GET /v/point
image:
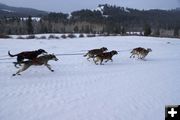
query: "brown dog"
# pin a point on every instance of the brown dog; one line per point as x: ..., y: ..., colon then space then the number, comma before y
x: 93, y: 52
x: 26, y: 55
x: 107, y: 55
x: 42, y: 60
x: 140, y: 52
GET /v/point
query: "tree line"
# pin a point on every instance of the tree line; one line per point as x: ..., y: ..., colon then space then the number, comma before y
x: 109, y: 20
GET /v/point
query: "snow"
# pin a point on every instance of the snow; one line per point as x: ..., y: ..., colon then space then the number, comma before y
x: 6, y: 10
x: 100, y: 9
x: 33, y: 18
x: 125, y: 89
x: 135, y: 33
x: 69, y: 15
x: 126, y: 10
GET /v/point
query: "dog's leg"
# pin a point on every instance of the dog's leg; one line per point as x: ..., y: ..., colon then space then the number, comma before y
x: 108, y: 60
x: 88, y: 58
x: 15, y: 64
x: 95, y: 60
x: 131, y: 55
x: 140, y: 56
x: 49, y: 67
x: 101, y: 60
x: 111, y: 60
x: 17, y: 73
x: 23, y: 68
x: 134, y: 55
x: 19, y: 60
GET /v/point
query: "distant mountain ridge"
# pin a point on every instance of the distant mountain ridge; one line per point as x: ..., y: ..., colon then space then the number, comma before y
x: 10, y: 11
x: 104, y: 19
x: 178, y: 8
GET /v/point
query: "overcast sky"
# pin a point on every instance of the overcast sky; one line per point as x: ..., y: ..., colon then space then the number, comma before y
x: 71, y: 5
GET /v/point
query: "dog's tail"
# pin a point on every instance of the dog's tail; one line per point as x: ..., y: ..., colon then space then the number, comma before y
x: 11, y: 54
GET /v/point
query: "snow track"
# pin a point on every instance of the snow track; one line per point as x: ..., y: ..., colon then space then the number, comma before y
x: 125, y: 89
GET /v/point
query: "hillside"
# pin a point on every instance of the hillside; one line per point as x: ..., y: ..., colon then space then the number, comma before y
x: 105, y: 19
x: 10, y: 11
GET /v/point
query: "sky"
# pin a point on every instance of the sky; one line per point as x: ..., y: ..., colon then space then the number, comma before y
x: 67, y: 6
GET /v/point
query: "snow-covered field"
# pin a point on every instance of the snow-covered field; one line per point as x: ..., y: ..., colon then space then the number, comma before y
x: 126, y: 89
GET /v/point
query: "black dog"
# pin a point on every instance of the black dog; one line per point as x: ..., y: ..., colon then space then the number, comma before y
x: 26, y: 55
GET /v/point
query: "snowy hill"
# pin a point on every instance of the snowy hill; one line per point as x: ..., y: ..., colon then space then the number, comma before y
x: 10, y: 11
x: 125, y: 89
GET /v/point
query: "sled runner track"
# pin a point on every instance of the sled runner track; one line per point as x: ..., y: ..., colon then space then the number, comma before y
x: 6, y: 58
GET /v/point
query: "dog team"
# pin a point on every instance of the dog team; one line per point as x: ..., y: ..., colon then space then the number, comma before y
x: 41, y: 57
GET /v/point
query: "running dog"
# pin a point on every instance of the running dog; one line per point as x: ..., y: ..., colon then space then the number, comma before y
x: 140, y: 52
x: 26, y: 55
x: 92, y: 53
x: 41, y: 60
x: 104, y: 56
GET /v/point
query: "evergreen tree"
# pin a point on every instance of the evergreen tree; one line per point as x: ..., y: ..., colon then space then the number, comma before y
x: 76, y: 29
x: 147, y: 30
x: 123, y: 31
x: 176, y: 31
x: 157, y: 32
x: 29, y: 26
